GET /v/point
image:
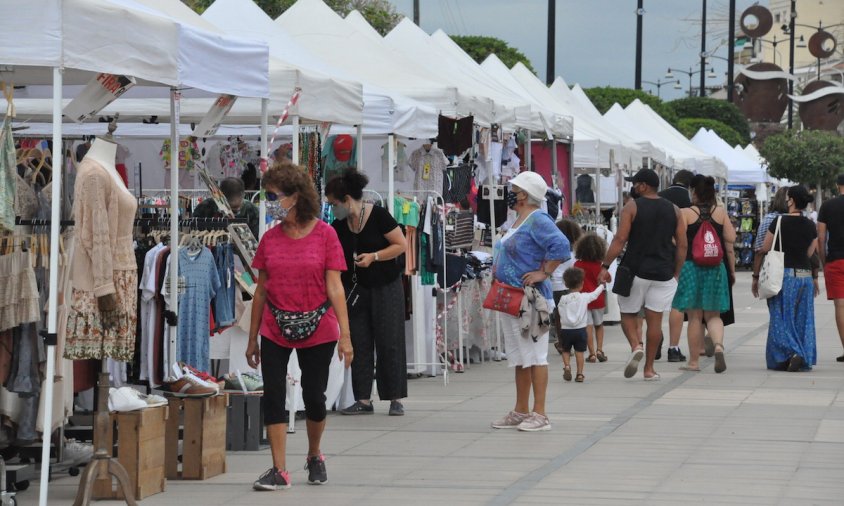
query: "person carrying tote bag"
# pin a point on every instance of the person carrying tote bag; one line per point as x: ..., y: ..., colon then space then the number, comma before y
x: 771, y: 274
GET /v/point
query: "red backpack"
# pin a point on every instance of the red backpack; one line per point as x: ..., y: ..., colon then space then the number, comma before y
x: 706, y: 246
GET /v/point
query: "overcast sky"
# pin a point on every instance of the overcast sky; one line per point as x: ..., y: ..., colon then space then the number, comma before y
x: 596, y: 39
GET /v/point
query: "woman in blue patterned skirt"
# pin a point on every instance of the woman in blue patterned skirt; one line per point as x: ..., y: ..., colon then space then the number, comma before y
x: 791, y: 333
x: 702, y: 291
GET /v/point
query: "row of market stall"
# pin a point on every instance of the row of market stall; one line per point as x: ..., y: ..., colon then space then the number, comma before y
x: 311, y: 67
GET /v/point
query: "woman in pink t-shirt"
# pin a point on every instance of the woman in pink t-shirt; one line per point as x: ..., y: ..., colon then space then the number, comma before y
x: 299, y: 263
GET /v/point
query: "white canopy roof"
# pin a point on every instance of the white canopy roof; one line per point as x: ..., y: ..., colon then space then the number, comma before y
x: 561, y: 126
x: 124, y: 37
x: 324, y: 97
x: 383, y: 111
x: 528, y: 114
x: 627, y: 149
x: 663, y: 134
x: 627, y: 136
x: 741, y: 169
x: 339, y: 43
x: 591, y: 150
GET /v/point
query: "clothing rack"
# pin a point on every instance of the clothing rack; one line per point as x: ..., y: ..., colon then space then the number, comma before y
x: 417, y: 288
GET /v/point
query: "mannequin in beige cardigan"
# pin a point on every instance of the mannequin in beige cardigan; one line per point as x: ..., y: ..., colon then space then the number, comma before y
x: 103, y: 277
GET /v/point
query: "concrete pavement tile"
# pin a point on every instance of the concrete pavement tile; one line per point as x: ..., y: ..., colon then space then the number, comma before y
x: 776, y: 411
x: 792, y: 397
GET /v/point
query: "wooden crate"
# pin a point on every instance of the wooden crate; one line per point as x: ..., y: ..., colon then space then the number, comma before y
x: 203, y: 437
x: 245, y: 425
x: 140, y: 450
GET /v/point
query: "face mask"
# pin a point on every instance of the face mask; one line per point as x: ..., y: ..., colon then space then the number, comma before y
x: 340, y: 211
x: 277, y: 211
x: 512, y: 199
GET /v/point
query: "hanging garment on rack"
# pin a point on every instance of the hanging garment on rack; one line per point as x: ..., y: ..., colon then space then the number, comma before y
x: 459, y: 229
x: 338, y: 154
x: 224, y: 299
x: 455, y: 135
x: 201, y: 282
x: 400, y: 169
x: 147, y: 314
x: 123, y: 154
x: 310, y: 158
x: 189, y: 154
x: 19, y: 299
x: 457, y: 183
x: 8, y: 172
x: 429, y: 164
x: 509, y: 159
x: 406, y: 211
x: 103, y: 264
x: 499, y: 205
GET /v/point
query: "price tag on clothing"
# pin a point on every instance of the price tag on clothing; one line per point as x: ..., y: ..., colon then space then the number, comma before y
x: 426, y: 171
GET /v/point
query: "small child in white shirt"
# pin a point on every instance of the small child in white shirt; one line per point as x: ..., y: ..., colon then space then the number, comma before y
x: 572, y: 309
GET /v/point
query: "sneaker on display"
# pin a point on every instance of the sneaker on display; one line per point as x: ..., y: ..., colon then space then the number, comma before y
x: 190, y: 386
x: 251, y: 381
x: 316, y: 469
x: 273, y: 479
x: 124, y: 399
x: 77, y: 452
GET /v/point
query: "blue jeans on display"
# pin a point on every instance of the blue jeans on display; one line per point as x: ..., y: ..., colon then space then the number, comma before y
x: 224, y: 300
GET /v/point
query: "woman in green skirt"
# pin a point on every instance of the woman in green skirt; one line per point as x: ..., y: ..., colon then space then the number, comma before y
x: 703, y: 292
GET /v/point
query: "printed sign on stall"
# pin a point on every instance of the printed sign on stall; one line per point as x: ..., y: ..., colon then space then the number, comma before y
x: 211, y: 122
x: 98, y: 93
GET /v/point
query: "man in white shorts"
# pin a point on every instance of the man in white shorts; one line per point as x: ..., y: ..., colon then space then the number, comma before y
x: 655, y: 236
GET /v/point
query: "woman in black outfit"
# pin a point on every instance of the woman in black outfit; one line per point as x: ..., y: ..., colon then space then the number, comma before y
x: 791, y: 333
x: 371, y: 240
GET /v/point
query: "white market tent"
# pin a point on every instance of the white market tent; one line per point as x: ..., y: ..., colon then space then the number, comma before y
x: 680, y: 148
x: 338, y: 43
x: 529, y: 115
x: 741, y: 169
x: 627, y: 136
x: 627, y: 149
x: 383, y: 111
x: 76, y: 40
x: 497, y: 70
x: 590, y: 148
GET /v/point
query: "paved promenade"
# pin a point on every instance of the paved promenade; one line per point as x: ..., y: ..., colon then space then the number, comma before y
x: 748, y: 436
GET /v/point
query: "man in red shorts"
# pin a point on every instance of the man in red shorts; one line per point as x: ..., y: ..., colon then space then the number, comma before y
x: 831, y: 221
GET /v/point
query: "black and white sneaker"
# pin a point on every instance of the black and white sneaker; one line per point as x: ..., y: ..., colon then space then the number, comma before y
x: 316, y: 470
x: 273, y: 479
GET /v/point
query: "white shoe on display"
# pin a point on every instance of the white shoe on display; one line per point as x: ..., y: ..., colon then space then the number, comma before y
x: 124, y: 399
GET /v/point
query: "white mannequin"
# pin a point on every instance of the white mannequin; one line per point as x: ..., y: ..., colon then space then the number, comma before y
x: 104, y: 152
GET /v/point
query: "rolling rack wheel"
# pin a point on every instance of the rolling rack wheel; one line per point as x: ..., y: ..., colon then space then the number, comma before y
x: 73, y: 471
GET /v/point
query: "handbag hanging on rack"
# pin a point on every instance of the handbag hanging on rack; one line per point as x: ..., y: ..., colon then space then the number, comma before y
x: 773, y: 267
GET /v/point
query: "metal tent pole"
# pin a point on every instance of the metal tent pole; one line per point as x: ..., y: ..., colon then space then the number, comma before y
x: 294, y: 156
x: 265, y: 157
x: 52, y: 301
x: 175, y: 110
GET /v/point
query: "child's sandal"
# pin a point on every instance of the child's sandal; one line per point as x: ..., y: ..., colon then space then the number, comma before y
x: 601, y: 356
x: 579, y: 378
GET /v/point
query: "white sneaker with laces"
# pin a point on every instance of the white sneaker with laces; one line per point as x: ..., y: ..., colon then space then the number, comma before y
x: 124, y: 399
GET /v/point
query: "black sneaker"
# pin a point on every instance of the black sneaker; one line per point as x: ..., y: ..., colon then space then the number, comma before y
x: 359, y: 408
x: 396, y: 408
x: 675, y: 355
x: 273, y: 479
x: 316, y: 470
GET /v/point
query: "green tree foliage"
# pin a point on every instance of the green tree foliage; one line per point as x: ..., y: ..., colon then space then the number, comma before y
x: 604, y: 98
x: 690, y: 126
x: 479, y: 47
x: 807, y: 157
x: 709, y: 108
x: 379, y: 13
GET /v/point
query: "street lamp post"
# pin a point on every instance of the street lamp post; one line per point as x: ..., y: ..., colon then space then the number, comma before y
x: 659, y: 84
x: 690, y: 73
x: 703, y: 50
x: 640, y: 11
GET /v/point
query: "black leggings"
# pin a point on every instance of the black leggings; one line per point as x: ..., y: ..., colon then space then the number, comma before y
x: 314, y: 362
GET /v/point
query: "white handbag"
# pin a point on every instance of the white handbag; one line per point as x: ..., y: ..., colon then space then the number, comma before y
x: 773, y: 267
